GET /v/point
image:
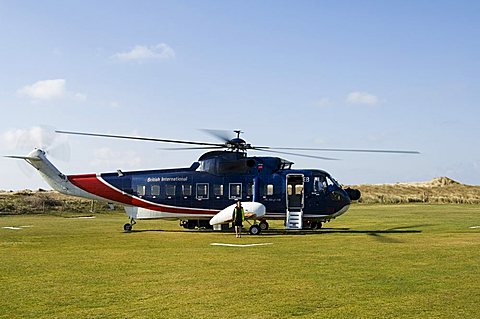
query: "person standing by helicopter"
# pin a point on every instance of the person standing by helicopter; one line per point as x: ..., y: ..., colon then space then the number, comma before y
x: 238, y: 217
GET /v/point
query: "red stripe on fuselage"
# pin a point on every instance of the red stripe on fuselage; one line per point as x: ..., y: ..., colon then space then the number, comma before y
x: 91, y: 184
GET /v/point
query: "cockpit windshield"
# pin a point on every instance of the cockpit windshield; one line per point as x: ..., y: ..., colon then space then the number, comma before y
x: 332, y: 181
x: 323, y: 182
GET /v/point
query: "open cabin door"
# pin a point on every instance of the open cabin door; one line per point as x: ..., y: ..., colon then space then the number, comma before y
x: 295, y: 196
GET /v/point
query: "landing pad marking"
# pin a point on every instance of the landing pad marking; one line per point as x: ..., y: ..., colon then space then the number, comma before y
x: 240, y: 245
x: 17, y: 227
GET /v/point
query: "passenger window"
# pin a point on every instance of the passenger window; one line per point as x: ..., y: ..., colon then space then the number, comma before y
x: 155, y: 189
x: 187, y: 190
x: 235, y: 191
x: 269, y: 190
x: 141, y: 190
x: 202, y: 191
x: 249, y: 189
x: 298, y: 189
x: 218, y: 190
x: 170, y: 190
x: 289, y: 189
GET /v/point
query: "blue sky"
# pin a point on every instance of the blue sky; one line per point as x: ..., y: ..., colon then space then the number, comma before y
x: 341, y: 74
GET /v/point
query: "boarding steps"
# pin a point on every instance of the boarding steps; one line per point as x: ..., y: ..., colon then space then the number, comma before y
x: 294, y: 219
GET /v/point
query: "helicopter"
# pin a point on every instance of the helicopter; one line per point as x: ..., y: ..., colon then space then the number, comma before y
x: 204, y: 194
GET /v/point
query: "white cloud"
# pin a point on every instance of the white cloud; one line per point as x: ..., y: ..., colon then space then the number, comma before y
x: 143, y: 53
x: 46, y: 90
x: 114, y: 104
x: 319, y: 141
x: 80, y: 96
x: 27, y: 139
x: 323, y: 102
x: 377, y: 138
x: 364, y: 98
x: 107, y: 158
x: 57, y: 52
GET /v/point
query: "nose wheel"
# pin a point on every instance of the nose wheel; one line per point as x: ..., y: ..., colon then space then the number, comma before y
x: 263, y: 225
x: 255, y: 230
x: 316, y: 225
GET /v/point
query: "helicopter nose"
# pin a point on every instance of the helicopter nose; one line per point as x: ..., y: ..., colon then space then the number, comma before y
x: 342, y: 202
x: 340, y: 196
x: 346, y: 198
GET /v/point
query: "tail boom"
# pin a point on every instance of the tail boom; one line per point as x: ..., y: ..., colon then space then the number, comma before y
x: 53, y: 176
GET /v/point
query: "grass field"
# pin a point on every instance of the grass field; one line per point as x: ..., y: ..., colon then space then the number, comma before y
x: 395, y: 261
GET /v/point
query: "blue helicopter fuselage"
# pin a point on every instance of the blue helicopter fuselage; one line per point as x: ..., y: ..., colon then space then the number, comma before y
x: 220, y: 178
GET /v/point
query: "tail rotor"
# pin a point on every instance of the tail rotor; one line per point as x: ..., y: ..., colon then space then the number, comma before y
x: 39, y: 137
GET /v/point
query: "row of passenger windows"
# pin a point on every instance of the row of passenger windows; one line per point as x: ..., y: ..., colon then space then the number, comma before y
x: 202, y: 190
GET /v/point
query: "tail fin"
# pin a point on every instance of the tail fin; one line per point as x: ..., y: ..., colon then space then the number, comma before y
x: 47, y: 170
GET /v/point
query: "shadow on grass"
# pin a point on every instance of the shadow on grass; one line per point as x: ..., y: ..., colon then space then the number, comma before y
x: 379, y: 234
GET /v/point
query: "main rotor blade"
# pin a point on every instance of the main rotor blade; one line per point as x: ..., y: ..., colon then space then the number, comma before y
x: 190, y: 148
x: 222, y: 135
x: 295, y: 154
x: 151, y: 139
x: 338, y: 150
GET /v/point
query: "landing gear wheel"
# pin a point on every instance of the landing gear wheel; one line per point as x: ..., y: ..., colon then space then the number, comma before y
x: 316, y: 225
x: 127, y: 227
x: 263, y: 225
x: 255, y: 230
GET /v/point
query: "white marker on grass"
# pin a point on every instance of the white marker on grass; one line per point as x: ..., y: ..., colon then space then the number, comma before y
x: 16, y: 228
x: 240, y: 245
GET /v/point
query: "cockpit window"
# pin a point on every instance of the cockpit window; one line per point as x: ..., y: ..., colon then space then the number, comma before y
x: 319, y: 183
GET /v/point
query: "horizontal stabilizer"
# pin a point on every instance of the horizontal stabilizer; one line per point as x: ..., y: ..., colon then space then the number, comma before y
x: 252, y: 210
x: 24, y: 157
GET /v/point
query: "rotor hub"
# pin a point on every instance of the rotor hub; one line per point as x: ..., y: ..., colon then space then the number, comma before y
x: 238, y: 144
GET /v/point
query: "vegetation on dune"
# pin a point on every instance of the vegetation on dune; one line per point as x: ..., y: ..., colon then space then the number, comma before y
x: 47, y: 202
x: 437, y: 191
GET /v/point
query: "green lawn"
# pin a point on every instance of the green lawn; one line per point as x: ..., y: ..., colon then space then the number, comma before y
x: 393, y: 261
